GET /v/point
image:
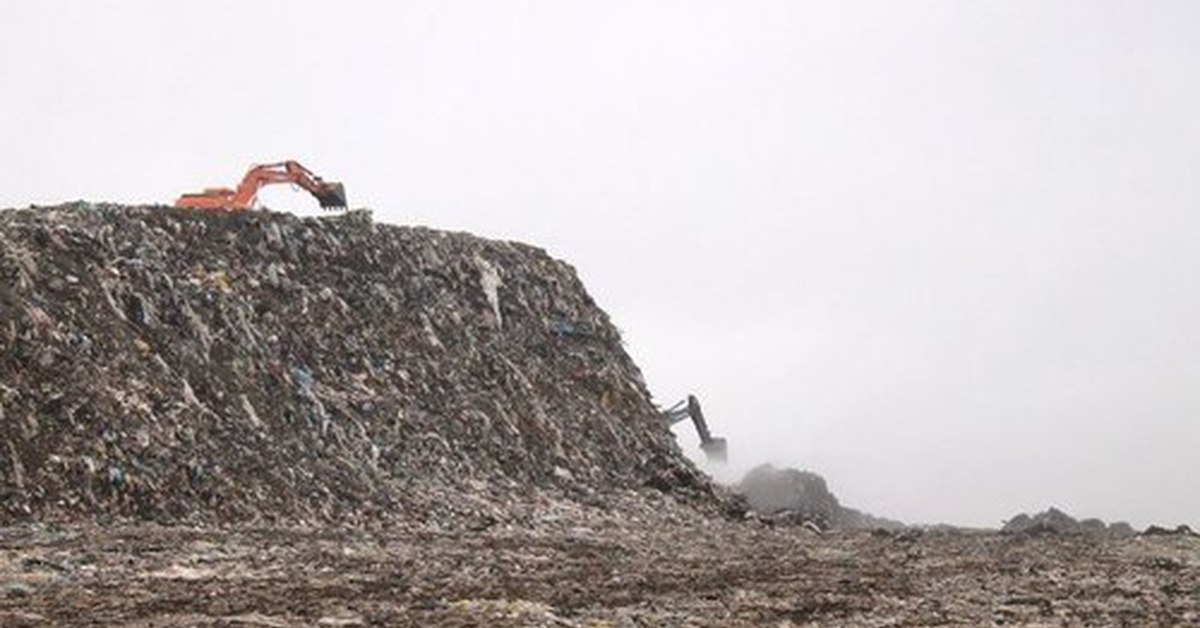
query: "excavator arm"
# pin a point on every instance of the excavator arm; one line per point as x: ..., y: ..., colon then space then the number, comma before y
x: 714, y: 448
x: 330, y: 195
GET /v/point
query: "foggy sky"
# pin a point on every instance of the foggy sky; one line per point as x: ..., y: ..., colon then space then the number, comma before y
x: 942, y: 253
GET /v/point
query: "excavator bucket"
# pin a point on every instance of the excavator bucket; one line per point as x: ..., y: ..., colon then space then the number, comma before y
x: 716, y: 449
x: 332, y: 196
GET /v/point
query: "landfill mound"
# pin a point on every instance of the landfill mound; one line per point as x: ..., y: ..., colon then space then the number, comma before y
x: 173, y: 365
x: 802, y: 497
x: 1055, y: 521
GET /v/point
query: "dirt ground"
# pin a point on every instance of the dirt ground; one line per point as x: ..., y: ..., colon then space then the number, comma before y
x: 657, y: 566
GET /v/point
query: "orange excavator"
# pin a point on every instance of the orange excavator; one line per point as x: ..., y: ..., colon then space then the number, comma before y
x: 329, y: 194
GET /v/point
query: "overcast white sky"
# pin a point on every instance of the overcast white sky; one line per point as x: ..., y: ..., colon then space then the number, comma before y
x: 942, y: 253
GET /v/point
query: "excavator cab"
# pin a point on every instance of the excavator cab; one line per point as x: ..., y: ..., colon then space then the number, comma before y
x: 715, y: 448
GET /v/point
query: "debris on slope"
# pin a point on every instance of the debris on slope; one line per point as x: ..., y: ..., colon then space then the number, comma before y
x: 802, y: 496
x: 171, y: 365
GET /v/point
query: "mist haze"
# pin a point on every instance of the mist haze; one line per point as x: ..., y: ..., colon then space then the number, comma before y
x: 941, y: 253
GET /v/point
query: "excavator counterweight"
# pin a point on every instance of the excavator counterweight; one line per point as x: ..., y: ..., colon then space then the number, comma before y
x: 330, y: 195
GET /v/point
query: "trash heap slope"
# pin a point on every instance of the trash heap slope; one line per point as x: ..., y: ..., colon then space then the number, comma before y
x: 170, y: 365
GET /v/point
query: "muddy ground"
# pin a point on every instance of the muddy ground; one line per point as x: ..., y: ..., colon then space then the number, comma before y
x: 633, y: 565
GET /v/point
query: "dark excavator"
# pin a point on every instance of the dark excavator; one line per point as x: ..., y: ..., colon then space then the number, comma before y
x: 714, y: 447
x: 329, y: 194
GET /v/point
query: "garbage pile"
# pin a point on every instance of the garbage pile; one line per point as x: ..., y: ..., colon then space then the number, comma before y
x: 172, y: 365
x: 1055, y: 521
x: 802, y: 497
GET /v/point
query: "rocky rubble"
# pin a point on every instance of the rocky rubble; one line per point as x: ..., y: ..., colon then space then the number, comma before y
x: 171, y: 365
x: 1055, y: 521
x: 802, y: 497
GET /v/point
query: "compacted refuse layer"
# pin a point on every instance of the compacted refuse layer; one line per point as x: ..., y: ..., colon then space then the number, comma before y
x: 643, y: 560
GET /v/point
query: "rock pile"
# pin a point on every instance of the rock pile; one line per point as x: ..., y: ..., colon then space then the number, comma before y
x: 171, y: 365
x: 802, y: 496
x: 1055, y: 521
x: 1180, y: 530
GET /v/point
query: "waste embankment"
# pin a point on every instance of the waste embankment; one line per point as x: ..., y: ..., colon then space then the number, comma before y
x: 170, y: 365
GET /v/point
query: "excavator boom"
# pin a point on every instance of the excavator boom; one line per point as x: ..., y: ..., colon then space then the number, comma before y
x: 330, y: 195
